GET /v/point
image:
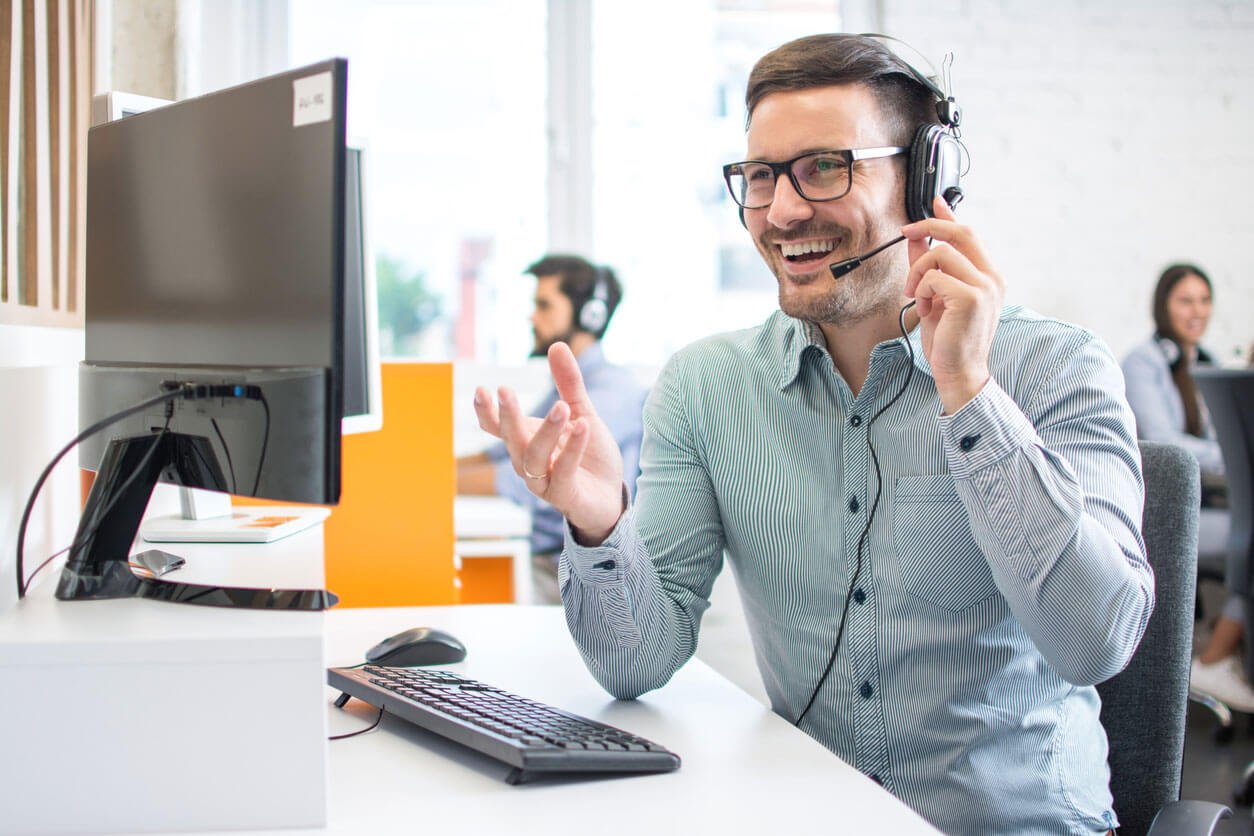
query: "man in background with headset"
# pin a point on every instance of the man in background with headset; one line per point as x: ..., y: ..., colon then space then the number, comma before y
x: 936, y: 536
x: 574, y: 302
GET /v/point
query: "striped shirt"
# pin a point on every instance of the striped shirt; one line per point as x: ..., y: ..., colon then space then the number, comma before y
x: 1003, y: 574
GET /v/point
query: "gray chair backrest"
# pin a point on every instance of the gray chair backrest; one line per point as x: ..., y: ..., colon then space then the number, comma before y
x: 1229, y: 396
x: 1143, y: 707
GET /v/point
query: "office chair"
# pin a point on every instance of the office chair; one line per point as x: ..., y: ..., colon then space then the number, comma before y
x: 1229, y: 397
x: 1143, y: 707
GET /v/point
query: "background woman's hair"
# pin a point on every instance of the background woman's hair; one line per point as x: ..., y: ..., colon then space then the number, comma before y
x: 1180, y: 366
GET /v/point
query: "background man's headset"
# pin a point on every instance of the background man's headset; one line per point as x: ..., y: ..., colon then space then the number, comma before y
x: 594, y: 313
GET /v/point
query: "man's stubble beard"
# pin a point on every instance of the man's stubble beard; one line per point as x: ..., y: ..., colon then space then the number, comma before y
x: 866, y: 292
x: 541, y: 348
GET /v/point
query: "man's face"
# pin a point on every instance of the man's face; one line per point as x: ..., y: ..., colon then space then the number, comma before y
x: 553, y: 319
x: 800, y: 239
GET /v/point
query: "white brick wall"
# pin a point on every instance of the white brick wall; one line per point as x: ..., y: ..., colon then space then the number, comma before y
x: 1107, y: 139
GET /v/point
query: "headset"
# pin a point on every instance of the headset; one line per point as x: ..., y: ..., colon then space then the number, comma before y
x: 935, y: 164
x: 1170, y: 349
x: 594, y: 313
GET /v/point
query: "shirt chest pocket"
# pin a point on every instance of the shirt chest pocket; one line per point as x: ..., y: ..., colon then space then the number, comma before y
x: 939, y: 559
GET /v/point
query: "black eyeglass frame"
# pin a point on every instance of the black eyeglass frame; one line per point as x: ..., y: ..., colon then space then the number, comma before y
x: 850, y: 155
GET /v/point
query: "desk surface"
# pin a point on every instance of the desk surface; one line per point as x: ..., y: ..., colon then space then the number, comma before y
x: 492, y: 517
x: 745, y: 769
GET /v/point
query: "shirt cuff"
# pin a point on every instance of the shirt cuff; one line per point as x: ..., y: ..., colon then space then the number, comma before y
x: 984, y: 431
x: 606, y: 563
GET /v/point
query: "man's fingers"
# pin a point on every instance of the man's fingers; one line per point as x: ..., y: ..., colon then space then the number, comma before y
x: 947, y: 259
x: 567, y: 462
x: 942, y: 209
x: 945, y: 227
x: 513, y: 432
x: 486, y: 412
x: 539, y: 450
x: 568, y: 378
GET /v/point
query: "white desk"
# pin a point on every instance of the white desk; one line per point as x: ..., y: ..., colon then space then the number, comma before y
x: 492, y: 526
x: 133, y: 715
x: 745, y: 769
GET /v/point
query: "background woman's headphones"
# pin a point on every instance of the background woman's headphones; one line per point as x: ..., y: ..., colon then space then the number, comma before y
x: 1170, y: 349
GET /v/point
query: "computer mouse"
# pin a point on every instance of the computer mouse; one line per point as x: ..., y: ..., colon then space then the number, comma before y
x: 417, y: 646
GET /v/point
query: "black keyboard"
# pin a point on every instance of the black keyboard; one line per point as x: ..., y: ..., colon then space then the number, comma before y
x: 528, y: 735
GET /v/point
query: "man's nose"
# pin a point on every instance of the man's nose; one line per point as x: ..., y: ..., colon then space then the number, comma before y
x: 788, y: 206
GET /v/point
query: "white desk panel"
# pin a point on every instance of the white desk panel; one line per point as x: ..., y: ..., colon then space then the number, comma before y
x: 131, y: 715
x: 745, y: 769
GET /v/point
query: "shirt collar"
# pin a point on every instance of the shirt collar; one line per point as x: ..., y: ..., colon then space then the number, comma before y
x: 800, y: 337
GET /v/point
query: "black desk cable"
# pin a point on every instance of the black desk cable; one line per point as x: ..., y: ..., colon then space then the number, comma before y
x: 176, y: 391
x: 875, y: 504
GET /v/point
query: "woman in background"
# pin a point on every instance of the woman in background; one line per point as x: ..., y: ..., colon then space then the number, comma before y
x: 1168, y: 408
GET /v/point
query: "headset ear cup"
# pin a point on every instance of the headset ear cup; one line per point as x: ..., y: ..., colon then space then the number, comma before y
x: 593, y: 316
x: 920, y: 184
x: 594, y: 313
x: 1170, y: 350
x: 934, y: 168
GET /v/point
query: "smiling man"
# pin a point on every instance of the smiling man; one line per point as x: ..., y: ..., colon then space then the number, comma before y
x: 932, y: 513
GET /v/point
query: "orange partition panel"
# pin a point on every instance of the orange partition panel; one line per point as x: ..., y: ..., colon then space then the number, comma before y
x: 487, y: 580
x: 389, y: 543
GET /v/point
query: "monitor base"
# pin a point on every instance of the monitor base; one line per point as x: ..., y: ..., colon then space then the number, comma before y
x: 246, y: 524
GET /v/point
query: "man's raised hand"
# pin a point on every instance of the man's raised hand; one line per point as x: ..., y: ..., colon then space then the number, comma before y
x: 567, y: 458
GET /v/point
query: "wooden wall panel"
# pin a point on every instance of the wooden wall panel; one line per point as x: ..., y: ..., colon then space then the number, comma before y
x: 45, y: 94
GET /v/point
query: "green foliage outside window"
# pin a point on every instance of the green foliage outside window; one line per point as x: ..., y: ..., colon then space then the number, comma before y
x: 406, y: 306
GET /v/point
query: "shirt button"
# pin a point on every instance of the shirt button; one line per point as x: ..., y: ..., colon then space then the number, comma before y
x: 968, y: 442
x: 866, y: 690
x: 853, y: 505
x: 604, y: 564
x: 859, y: 596
x: 877, y: 779
x: 855, y: 420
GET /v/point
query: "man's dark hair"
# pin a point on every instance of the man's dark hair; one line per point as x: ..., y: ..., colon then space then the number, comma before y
x: 837, y: 59
x: 578, y: 280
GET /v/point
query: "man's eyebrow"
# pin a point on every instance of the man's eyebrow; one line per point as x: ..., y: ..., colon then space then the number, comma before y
x: 820, y: 149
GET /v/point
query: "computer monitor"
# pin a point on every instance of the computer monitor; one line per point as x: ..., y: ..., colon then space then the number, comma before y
x: 363, y: 386
x: 215, y: 291
x: 209, y: 516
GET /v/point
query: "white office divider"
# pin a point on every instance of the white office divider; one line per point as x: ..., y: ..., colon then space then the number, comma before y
x: 137, y: 716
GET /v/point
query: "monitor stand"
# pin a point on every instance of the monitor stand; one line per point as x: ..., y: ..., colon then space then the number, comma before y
x: 99, y: 565
x: 209, y: 517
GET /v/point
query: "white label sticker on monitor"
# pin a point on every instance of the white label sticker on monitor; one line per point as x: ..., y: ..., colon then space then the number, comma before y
x: 311, y: 99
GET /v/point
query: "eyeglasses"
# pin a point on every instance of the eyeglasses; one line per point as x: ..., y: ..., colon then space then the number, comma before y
x: 817, y: 176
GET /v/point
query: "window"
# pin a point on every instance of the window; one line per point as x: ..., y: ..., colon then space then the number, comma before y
x: 668, y: 82
x: 463, y: 109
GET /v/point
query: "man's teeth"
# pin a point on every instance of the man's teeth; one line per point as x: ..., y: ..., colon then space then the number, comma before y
x: 800, y: 248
